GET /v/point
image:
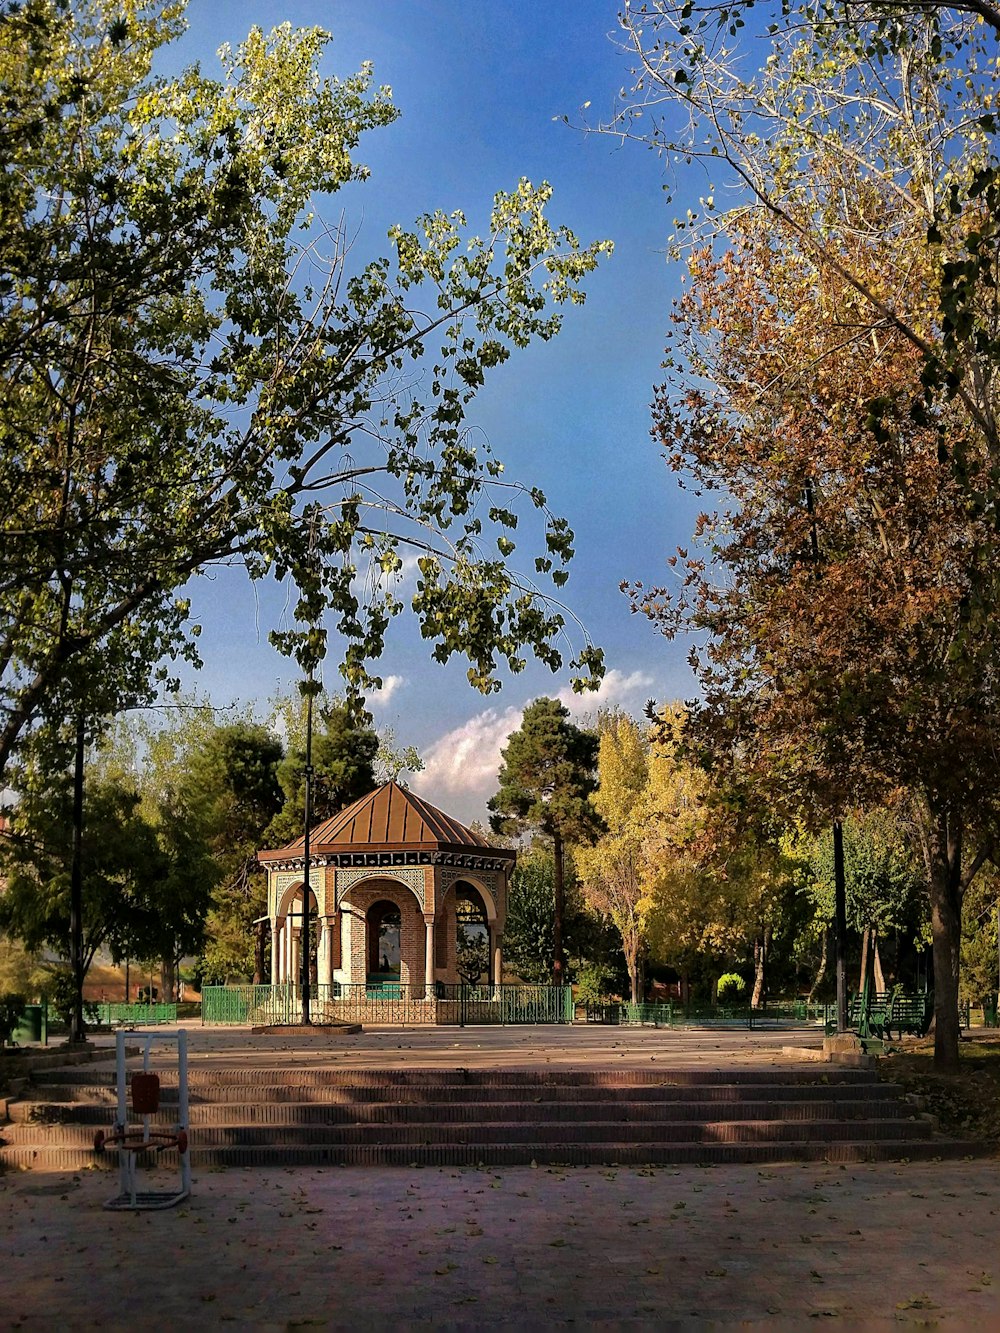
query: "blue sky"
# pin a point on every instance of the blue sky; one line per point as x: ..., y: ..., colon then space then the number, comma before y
x: 480, y: 88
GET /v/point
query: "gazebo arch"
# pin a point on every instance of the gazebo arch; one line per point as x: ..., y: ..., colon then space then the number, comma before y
x: 391, y: 843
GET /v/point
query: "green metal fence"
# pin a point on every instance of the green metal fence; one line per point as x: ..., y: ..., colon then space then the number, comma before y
x: 107, y: 1014
x: 268, y: 1006
x: 677, y: 1014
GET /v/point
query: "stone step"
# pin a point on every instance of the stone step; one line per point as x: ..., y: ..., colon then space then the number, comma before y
x: 429, y: 1132
x: 609, y: 1154
x: 472, y: 1078
x: 372, y: 1112
x: 322, y: 1116
x: 291, y: 1090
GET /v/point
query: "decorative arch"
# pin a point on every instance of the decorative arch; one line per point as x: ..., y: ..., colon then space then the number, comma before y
x: 407, y: 877
x: 291, y: 893
x: 483, y: 888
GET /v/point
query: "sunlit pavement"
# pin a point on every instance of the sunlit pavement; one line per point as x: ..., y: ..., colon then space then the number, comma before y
x: 515, y: 1248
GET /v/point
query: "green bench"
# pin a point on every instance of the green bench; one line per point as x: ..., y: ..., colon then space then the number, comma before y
x: 911, y: 1014
x: 888, y: 1011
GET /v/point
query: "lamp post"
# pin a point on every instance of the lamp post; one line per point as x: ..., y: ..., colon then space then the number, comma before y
x: 76, y: 1029
x: 304, y: 951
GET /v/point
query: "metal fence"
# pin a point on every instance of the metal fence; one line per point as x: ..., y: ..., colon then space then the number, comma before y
x: 387, y: 1003
x: 107, y: 1014
x: 674, y: 1013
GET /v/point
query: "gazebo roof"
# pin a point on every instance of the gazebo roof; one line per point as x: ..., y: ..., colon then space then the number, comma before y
x: 389, y: 819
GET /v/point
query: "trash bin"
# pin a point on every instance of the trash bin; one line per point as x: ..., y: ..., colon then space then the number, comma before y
x: 990, y: 1011
x: 33, y: 1025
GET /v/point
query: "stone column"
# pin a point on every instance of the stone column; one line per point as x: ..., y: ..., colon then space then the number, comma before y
x: 293, y: 962
x: 277, y: 941
x: 429, y: 956
x: 497, y: 959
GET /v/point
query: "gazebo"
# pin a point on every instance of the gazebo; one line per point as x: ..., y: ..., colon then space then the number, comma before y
x: 392, y: 879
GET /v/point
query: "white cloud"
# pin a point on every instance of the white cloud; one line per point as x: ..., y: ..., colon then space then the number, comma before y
x: 617, y: 688
x: 390, y: 685
x: 460, y: 769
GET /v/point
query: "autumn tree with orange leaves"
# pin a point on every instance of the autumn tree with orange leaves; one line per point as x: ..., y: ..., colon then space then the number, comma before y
x: 845, y: 578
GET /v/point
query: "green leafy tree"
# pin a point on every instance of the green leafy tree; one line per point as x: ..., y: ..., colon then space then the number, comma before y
x: 124, y: 871
x: 182, y: 382
x: 885, y: 886
x: 546, y: 781
x: 343, y: 757
x: 237, y: 766
x: 527, y: 940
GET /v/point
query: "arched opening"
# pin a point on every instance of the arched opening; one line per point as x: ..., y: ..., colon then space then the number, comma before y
x: 472, y: 935
x: 290, y: 942
x: 384, y: 927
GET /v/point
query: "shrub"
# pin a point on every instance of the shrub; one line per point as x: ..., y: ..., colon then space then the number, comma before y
x: 593, y: 983
x: 731, y: 988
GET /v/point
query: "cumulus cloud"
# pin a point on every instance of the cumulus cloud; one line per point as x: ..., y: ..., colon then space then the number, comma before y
x: 616, y: 689
x: 460, y: 769
x: 390, y: 685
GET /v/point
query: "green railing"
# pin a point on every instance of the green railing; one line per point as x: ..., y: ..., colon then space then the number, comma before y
x: 136, y: 1013
x: 270, y: 1006
x: 674, y: 1013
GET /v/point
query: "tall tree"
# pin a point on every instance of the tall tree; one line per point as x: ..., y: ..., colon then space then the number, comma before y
x: 612, y: 869
x: 185, y: 380
x: 343, y: 757
x: 236, y: 765
x: 547, y: 778
x: 124, y: 870
x: 853, y: 636
x: 864, y: 146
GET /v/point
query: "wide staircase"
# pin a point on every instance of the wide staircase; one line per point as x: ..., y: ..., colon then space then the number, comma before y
x: 423, y: 1117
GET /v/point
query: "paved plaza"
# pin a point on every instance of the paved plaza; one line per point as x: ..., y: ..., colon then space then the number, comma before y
x: 516, y: 1248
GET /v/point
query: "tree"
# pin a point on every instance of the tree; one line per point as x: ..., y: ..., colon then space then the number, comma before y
x: 546, y: 780
x: 860, y: 283
x: 343, y: 757
x: 185, y: 379
x: 237, y: 766
x: 612, y: 869
x: 124, y: 870
x: 885, y: 890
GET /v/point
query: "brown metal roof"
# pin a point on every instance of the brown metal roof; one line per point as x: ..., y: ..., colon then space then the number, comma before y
x: 389, y: 819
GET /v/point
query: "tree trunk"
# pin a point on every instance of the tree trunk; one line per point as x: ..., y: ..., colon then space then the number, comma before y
x: 941, y: 833
x: 760, y: 965
x: 166, y: 980
x: 821, y: 970
x: 865, y: 937
x: 558, y: 961
x: 877, y: 967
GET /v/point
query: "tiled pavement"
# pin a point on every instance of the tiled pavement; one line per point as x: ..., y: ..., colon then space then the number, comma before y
x: 859, y: 1246
x: 864, y: 1246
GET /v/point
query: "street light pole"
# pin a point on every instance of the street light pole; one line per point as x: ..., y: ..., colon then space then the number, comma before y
x: 76, y: 1028
x: 304, y: 951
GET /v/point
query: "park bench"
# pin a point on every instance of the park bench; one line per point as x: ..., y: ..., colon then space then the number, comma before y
x: 910, y: 1014
x: 889, y: 1011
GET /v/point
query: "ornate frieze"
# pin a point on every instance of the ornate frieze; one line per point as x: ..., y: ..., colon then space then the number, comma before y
x: 412, y: 877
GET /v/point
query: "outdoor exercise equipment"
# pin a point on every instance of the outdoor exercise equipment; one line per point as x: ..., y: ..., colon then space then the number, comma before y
x: 131, y: 1141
